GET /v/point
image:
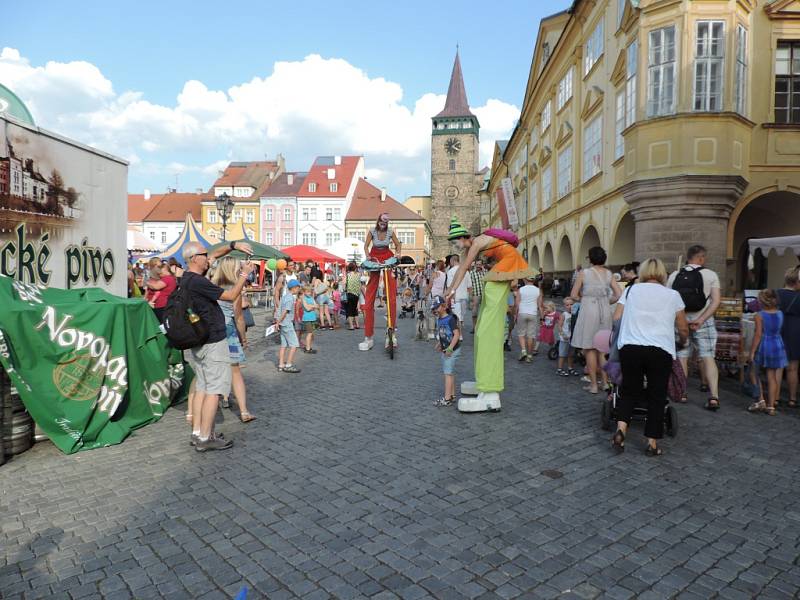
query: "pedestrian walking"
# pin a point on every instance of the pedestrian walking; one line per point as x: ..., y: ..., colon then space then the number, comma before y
x: 531, y: 305
x: 767, y: 350
x: 565, y: 350
x: 789, y: 303
x: 310, y: 315
x: 285, y: 321
x: 448, y: 329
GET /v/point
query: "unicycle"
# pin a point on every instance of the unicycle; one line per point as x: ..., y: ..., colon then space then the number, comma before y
x: 385, y: 267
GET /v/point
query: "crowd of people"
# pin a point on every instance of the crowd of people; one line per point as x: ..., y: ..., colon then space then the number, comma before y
x: 647, y: 321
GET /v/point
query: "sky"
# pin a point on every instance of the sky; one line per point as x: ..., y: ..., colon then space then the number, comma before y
x: 181, y: 88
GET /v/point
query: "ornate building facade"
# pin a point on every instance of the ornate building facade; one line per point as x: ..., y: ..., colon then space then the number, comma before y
x: 651, y: 125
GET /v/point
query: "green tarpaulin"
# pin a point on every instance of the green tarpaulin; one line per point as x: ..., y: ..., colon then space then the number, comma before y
x: 90, y: 367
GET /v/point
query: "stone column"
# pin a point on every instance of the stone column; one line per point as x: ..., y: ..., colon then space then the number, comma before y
x: 672, y: 213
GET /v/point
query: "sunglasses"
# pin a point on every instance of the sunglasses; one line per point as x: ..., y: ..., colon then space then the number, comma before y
x: 201, y: 254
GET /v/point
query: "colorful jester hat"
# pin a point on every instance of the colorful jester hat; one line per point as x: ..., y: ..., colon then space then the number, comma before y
x: 457, y: 230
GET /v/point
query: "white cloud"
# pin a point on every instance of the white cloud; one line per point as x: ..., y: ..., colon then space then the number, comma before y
x: 303, y: 108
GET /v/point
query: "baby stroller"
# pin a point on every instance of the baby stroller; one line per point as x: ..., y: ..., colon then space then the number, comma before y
x: 421, y: 329
x: 608, y: 408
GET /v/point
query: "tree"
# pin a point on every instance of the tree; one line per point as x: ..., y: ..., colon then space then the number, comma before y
x: 71, y: 198
x: 55, y: 192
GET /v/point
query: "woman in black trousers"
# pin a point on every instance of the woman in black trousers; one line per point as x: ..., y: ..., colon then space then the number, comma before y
x: 650, y: 313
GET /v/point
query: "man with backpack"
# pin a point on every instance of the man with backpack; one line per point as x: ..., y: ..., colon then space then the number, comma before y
x: 195, y: 304
x: 699, y: 289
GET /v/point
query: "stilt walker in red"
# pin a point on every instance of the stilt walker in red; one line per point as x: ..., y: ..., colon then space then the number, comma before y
x: 377, y: 248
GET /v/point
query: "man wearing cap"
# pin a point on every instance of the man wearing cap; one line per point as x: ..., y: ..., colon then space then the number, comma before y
x: 499, y: 246
x: 284, y: 317
x: 379, y: 238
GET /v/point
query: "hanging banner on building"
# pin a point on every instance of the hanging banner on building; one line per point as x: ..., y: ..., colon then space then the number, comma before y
x: 90, y: 367
x: 62, y: 211
x: 510, y: 204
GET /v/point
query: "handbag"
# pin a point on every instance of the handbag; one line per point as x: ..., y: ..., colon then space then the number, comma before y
x: 676, y: 384
x: 613, y: 352
x: 249, y: 321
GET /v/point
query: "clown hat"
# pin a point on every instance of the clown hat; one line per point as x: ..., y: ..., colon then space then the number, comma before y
x: 457, y: 230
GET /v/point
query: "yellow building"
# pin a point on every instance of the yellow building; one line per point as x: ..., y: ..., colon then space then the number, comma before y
x: 648, y: 126
x: 412, y: 229
x: 420, y: 205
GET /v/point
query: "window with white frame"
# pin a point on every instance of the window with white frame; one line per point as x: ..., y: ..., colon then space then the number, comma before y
x: 337, y: 214
x: 359, y: 234
x: 547, y: 187
x: 740, y: 76
x: 328, y: 239
x: 287, y: 214
x: 310, y: 239
x: 546, y: 117
x: 312, y: 187
x: 532, y: 197
x: 237, y: 215
x: 564, y: 92
x: 787, y: 82
x: 594, y: 48
x: 329, y: 214
x: 268, y: 238
x: 407, y: 238
x: 334, y: 187
x: 313, y: 213
x: 619, y: 125
x: 592, y: 148
x: 287, y: 238
x: 564, y: 171
x: 268, y: 215
x: 163, y: 237
x: 708, y: 65
x: 212, y: 215
x: 661, y: 72
x: 534, y: 137
x: 305, y: 214
x: 632, y: 68
x: 153, y: 235
x: 250, y: 216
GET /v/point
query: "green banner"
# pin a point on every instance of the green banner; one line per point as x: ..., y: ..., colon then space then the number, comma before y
x: 90, y: 367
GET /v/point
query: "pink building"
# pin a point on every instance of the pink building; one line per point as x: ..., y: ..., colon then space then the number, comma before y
x: 279, y: 210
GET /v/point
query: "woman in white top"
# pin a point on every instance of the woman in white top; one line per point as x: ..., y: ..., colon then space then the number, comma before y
x: 530, y: 307
x: 650, y: 313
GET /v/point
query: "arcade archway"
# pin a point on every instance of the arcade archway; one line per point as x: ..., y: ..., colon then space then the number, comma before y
x: 547, y: 259
x: 534, y: 260
x: 771, y: 215
x: 623, y: 244
x: 590, y: 239
x: 565, y: 260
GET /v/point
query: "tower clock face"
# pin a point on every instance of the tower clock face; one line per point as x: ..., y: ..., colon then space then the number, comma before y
x: 453, y: 146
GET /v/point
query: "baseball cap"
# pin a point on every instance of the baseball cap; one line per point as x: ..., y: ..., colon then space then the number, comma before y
x: 437, y: 302
x: 293, y: 284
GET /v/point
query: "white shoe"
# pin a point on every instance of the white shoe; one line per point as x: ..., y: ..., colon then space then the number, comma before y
x: 367, y: 344
x: 431, y: 336
x: 483, y: 402
x: 469, y: 388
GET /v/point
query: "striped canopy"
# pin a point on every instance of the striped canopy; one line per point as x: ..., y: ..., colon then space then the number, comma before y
x: 191, y: 233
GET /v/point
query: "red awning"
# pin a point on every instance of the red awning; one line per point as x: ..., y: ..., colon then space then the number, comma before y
x: 303, y: 253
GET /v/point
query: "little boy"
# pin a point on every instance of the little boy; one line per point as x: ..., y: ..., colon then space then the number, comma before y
x: 309, y: 318
x: 285, y: 319
x: 565, y: 351
x: 449, y: 344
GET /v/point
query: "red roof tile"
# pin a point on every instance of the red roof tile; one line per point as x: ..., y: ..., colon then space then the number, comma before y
x: 255, y: 174
x: 343, y: 177
x: 281, y: 188
x: 139, y: 208
x: 367, y: 205
x: 175, y: 205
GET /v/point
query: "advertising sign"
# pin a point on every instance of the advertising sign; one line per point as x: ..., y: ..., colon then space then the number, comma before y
x: 63, y: 211
x: 510, y: 203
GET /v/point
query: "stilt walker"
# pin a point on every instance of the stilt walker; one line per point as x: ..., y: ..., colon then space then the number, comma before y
x: 500, y: 247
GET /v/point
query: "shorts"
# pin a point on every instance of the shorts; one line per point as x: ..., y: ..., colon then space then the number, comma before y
x: 211, y: 364
x: 528, y: 326
x: 703, y: 341
x: 460, y: 309
x: 449, y: 362
x: 234, y: 344
x: 289, y: 337
x: 309, y: 326
x: 564, y: 349
x: 322, y: 299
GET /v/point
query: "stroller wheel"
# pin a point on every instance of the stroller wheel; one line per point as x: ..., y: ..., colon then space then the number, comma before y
x: 552, y: 354
x: 671, y: 421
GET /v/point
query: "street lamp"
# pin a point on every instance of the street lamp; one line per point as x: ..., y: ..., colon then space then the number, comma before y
x: 224, y: 208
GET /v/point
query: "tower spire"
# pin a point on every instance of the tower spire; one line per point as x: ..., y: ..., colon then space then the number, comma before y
x: 456, y: 104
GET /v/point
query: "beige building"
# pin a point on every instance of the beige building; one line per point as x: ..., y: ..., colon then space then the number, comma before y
x: 420, y: 205
x: 648, y: 126
x: 412, y: 230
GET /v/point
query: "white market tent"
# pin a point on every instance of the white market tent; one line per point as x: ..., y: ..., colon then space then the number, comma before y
x: 138, y: 242
x: 779, y: 244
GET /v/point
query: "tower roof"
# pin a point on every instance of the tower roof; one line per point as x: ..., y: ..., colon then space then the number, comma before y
x: 456, y: 104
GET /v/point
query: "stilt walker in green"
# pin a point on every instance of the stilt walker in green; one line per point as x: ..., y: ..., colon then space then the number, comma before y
x: 500, y: 247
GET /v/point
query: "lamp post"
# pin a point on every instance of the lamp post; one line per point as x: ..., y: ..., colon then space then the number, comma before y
x: 224, y: 208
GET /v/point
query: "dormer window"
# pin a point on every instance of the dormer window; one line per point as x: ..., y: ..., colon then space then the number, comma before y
x: 312, y: 187
x: 334, y: 187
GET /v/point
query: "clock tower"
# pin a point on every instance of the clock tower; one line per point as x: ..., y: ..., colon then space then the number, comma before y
x: 455, y: 181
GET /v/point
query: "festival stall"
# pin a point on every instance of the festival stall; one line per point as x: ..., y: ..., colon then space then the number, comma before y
x: 190, y: 233
x: 303, y: 253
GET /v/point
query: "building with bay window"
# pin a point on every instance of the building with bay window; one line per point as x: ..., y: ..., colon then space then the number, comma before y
x: 645, y: 129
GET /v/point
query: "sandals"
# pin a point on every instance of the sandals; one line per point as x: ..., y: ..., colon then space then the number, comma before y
x: 757, y: 407
x: 189, y: 418
x: 712, y: 404
x: 770, y: 411
x: 588, y: 388
x: 618, y: 441
x: 792, y: 404
x: 246, y: 417
x: 683, y: 399
x: 653, y: 451
x: 444, y: 401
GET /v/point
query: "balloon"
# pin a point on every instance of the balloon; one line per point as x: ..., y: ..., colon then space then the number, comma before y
x: 602, y: 341
x: 280, y: 264
x: 271, y: 264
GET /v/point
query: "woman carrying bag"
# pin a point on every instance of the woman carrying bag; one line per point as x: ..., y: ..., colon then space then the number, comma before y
x: 650, y: 313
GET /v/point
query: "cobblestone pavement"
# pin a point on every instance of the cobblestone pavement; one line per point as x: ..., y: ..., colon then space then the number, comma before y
x: 351, y: 484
